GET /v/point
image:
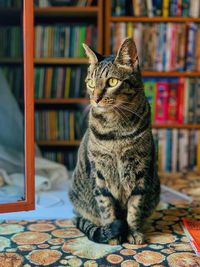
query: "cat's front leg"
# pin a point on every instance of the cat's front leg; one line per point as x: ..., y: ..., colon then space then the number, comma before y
x: 135, y: 235
x: 106, y: 205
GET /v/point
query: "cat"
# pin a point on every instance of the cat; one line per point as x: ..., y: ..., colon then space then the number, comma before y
x: 115, y: 185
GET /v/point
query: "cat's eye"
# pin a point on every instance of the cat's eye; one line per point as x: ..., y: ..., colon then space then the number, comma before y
x: 113, y: 82
x: 91, y: 83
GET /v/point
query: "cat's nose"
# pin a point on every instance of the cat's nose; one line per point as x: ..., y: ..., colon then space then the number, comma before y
x: 97, y: 98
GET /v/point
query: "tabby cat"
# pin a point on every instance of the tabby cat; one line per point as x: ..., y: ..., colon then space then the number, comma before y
x: 115, y: 185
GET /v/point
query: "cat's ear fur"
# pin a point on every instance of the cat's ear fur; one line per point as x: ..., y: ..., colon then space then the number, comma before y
x: 93, y: 56
x: 127, y: 56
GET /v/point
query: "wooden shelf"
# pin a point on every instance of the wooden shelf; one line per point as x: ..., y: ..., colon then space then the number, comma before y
x: 61, y: 101
x: 171, y: 73
x: 69, y: 11
x: 58, y: 143
x: 175, y: 125
x: 60, y: 60
x: 153, y: 19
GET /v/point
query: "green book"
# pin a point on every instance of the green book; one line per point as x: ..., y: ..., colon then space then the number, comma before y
x: 150, y: 92
x: 82, y: 37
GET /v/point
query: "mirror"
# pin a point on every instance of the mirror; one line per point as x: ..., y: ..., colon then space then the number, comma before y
x: 12, y: 156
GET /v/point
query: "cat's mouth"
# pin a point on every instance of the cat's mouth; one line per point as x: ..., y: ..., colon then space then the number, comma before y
x: 101, y: 107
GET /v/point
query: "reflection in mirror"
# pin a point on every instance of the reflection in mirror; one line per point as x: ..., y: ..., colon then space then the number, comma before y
x: 12, y: 174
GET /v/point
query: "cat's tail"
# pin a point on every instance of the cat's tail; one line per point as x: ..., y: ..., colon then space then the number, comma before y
x: 101, y: 234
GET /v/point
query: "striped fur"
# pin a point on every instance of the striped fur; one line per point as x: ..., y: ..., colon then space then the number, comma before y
x: 115, y: 185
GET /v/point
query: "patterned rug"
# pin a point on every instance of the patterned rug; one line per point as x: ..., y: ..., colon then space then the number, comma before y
x: 59, y: 243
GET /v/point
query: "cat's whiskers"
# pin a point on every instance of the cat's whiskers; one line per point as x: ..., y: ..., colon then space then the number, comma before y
x: 129, y: 110
x: 122, y: 114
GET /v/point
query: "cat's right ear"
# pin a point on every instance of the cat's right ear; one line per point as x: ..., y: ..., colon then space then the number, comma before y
x: 90, y: 54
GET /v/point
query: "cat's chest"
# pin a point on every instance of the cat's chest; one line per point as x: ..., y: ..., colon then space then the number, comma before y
x: 120, y: 190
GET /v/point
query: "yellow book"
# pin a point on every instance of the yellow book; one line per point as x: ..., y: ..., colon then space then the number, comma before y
x: 71, y: 126
x: 67, y: 82
x: 130, y: 29
x: 49, y: 82
x: 165, y: 8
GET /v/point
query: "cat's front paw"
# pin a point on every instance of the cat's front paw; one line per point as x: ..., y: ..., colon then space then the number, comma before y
x: 114, y: 241
x: 136, y: 238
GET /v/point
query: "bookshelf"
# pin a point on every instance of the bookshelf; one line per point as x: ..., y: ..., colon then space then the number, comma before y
x: 185, y: 130
x: 68, y: 15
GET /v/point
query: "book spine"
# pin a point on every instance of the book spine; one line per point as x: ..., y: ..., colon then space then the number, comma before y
x: 174, y: 161
x: 194, y: 8
x: 165, y: 8
x: 185, y: 8
x: 172, y: 114
x: 197, y: 110
x: 191, y: 101
x: 180, y: 100
x: 149, y: 5
x: 161, y: 101
x: 190, y: 56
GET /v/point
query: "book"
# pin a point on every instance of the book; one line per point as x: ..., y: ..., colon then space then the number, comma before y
x: 191, y: 44
x: 52, y: 125
x: 162, y: 95
x: 165, y: 11
x: 61, y: 40
x: 151, y: 8
x: 150, y: 91
x: 172, y: 110
x: 191, y: 228
x: 162, y: 46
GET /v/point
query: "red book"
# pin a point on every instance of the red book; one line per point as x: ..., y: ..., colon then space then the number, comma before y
x: 172, y: 112
x: 181, y: 92
x: 162, y: 94
x: 191, y: 228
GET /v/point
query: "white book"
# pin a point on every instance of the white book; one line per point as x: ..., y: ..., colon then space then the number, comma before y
x: 162, y: 149
x: 168, y: 46
x: 174, y: 149
x: 194, y: 8
x: 183, y: 149
x: 149, y: 8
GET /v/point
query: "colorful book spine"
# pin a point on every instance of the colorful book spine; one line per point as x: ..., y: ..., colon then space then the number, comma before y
x: 178, y: 149
x: 151, y: 8
x: 63, y: 40
x: 162, y: 94
x: 150, y: 91
x: 172, y: 111
x: 190, y: 56
x: 52, y: 125
x: 164, y: 46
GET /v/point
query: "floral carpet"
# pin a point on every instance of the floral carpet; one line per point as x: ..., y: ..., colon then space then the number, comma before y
x: 59, y: 243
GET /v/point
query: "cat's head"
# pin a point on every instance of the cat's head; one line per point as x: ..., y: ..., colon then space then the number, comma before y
x: 114, y: 80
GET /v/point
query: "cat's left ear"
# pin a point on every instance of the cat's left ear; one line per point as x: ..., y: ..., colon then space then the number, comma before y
x: 127, y: 55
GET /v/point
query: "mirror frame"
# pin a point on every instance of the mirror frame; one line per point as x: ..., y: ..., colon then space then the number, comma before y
x: 28, y: 33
